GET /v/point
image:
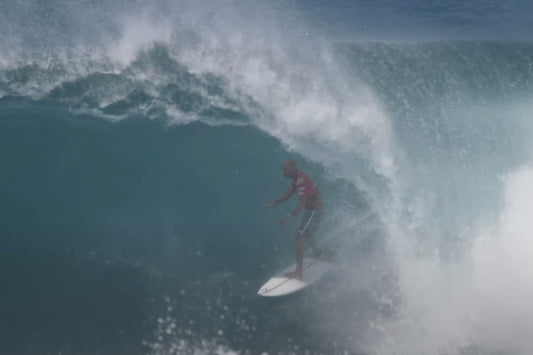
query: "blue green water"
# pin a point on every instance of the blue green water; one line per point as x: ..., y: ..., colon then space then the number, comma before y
x: 140, y: 143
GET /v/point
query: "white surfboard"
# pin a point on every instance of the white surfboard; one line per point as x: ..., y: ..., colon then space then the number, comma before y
x: 279, y: 285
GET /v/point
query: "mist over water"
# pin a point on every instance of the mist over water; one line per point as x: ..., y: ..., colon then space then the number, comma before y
x: 133, y: 114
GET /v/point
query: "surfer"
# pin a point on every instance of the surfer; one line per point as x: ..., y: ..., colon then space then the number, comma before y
x: 310, y: 202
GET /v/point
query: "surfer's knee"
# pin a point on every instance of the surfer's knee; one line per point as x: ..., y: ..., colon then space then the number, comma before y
x: 299, y: 239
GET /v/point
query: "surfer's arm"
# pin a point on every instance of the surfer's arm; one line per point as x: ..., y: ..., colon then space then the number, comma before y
x: 282, y: 198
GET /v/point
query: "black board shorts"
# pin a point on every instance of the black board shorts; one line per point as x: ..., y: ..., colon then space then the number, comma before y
x: 310, y: 222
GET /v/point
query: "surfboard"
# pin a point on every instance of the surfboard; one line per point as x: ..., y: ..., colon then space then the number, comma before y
x: 279, y: 285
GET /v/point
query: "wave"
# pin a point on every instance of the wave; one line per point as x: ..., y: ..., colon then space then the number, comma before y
x: 434, y: 136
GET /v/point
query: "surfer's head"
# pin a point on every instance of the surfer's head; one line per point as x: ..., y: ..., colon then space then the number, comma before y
x: 289, y: 168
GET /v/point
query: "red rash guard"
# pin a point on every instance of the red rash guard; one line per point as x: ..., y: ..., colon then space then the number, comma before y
x: 306, y: 187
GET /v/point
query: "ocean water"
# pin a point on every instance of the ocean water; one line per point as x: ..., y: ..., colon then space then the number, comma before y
x: 141, y: 141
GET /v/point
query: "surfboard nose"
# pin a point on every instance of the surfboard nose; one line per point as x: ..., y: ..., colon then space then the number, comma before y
x: 281, y: 285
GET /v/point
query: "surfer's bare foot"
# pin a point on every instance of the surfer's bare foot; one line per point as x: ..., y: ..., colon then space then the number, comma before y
x: 294, y: 275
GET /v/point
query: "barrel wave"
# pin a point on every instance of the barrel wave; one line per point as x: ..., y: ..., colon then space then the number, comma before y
x: 141, y: 141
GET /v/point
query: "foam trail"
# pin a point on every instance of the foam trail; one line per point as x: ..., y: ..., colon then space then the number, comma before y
x: 501, y: 268
x: 481, y: 300
x: 464, y: 280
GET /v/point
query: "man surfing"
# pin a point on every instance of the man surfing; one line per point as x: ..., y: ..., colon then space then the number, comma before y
x: 310, y: 202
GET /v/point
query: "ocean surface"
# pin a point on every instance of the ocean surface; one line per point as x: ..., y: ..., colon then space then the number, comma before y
x: 140, y: 142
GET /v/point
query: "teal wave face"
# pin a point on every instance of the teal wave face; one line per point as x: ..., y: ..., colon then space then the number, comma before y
x: 138, y: 225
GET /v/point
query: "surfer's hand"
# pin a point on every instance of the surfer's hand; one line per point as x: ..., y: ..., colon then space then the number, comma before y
x: 271, y: 204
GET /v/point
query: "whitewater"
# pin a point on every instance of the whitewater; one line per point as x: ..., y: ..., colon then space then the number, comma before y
x: 140, y: 142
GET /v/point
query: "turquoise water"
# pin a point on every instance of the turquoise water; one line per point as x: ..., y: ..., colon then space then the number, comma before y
x: 140, y: 143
